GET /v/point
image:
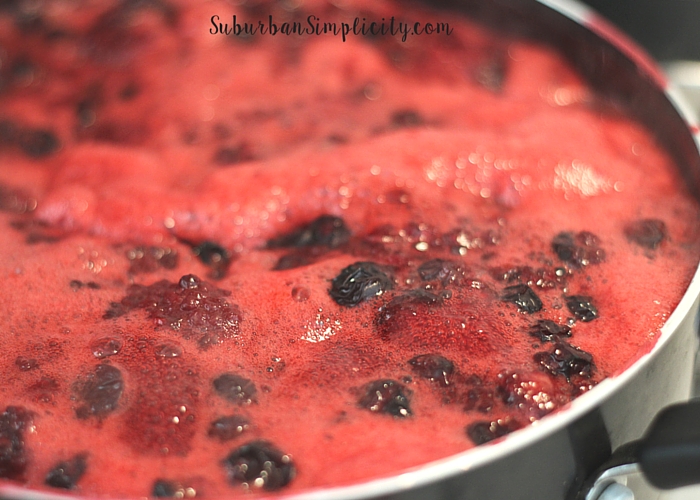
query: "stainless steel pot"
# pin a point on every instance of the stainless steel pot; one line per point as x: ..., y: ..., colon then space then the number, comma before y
x: 553, y: 458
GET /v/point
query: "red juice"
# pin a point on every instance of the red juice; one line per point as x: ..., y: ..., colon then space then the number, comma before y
x: 277, y: 263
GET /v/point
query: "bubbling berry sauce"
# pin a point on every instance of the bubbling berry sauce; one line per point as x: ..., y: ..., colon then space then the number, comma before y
x: 263, y: 265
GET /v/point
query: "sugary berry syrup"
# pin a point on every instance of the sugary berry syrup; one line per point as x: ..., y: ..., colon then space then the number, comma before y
x: 272, y: 264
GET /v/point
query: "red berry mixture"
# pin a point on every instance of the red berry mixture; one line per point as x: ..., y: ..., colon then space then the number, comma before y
x: 258, y: 264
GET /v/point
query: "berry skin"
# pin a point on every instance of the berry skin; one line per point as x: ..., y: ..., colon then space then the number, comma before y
x: 215, y: 256
x: 38, y: 143
x: 524, y: 297
x: 259, y: 464
x: 359, y: 282
x: 540, y: 277
x: 582, y: 307
x: 565, y: 359
x: 433, y: 367
x: 13, y: 456
x: 163, y: 488
x: 228, y: 428
x: 444, y: 271
x: 326, y: 231
x: 235, y: 388
x: 386, y: 396
x: 100, y: 392
x: 479, y: 396
x: 406, y: 118
x: 578, y: 250
x: 484, y: 431
x: 67, y: 474
x: 547, y: 330
x: 532, y: 393
x: 647, y: 233
x: 228, y: 156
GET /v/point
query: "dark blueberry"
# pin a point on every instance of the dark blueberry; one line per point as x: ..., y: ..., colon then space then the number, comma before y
x: 433, y: 367
x: 582, y: 307
x: 337, y: 139
x: 115, y: 310
x: 492, y: 74
x: 77, y: 285
x: 214, y: 256
x: 541, y: 277
x: 100, y: 392
x: 222, y: 131
x: 34, y: 238
x: 163, y: 488
x: 228, y: 428
x: 129, y: 91
x: 235, y: 388
x: 510, y: 275
x: 260, y: 464
x: 359, y: 282
x: 228, y: 156
x: 85, y: 112
x: 478, y: 397
x: 26, y: 364
x: 23, y: 70
x: 109, y: 35
x: 547, y: 330
x: 565, y: 359
x: 14, y: 200
x: 647, y: 233
x: 13, y: 458
x: 39, y: 143
x: 67, y: 474
x: 532, y: 392
x: 564, y: 246
x: 483, y: 431
x: 406, y: 118
x: 35, y: 143
x: 386, y: 396
x: 326, y: 230
x: 578, y: 250
x: 522, y: 296
x: 444, y: 271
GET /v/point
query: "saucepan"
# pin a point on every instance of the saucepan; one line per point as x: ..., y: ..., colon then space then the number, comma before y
x: 569, y: 455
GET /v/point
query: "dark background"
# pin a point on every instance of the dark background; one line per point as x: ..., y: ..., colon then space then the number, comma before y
x: 668, y: 29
